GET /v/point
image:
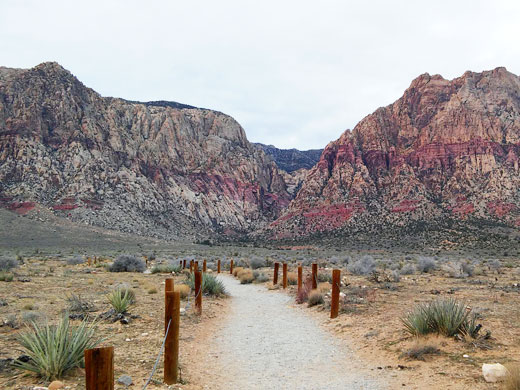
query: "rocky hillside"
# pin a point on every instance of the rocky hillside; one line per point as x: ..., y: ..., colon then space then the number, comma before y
x: 160, y: 168
x: 291, y: 160
x: 446, y: 151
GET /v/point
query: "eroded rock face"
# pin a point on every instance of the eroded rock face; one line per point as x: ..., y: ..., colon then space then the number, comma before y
x: 165, y: 170
x: 444, y: 150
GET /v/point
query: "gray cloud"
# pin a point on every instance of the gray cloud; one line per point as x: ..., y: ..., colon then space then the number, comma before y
x: 293, y: 73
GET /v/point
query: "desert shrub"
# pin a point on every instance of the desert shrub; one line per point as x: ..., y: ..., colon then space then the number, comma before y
x: 419, y: 351
x: 183, y: 289
x: 459, y: 269
x: 236, y: 270
x: 260, y: 277
x: 127, y: 263
x: 7, y: 263
x: 121, y: 298
x: 467, y: 268
x: 75, y: 260
x: 211, y: 285
x: 153, y: 290
x: 292, y: 278
x: 246, y: 276
x: 395, y: 276
x: 303, y: 294
x: 77, y: 304
x: 512, y: 381
x: 151, y: 256
x: 494, y: 265
x: 166, y: 268
x: 447, y: 317
x: 324, y: 277
x: 55, y: 349
x: 324, y: 287
x: 257, y: 262
x: 408, y: 269
x: 29, y: 317
x: 6, y: 276
x: 364, y: 266
x: 315, y: 298
x: 426, y: 264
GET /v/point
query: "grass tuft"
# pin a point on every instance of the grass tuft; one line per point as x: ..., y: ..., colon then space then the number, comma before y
x: 121, y: 298
x: 211, y: 285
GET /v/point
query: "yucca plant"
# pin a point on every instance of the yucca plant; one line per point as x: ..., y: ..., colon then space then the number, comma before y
x: 447, y: 317
x: 210, y: 285
x: 121, y: 298
x: 56, y: 349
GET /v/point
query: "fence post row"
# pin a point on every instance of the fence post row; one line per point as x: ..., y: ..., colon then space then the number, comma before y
x: 218, y: 266
x: 99, y: 368
x: 204, y: 266
x: 284, y: 275
x: 231, y: 267
x: 314, y: 276
x: 171, y: 345
x: 275, y: 276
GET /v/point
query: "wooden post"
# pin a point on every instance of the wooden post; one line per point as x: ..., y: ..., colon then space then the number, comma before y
x: 334, y: 304
x: 198, y: 291
x: 231, y: 267
x: 218, y: 266
x: 184, y: 264
x: 99, y: 368
x: 191, y: 266
x: 196, y: 267
x: 275, y: 276
x: 171, y: 345
x: 146, y: 260
x: 300, y: 274
x: 284, y: 275
x: 89, y: 261
x: 180, y: 264
x: 168, y: 285
x: 314, y: 276
x: 204, y: 266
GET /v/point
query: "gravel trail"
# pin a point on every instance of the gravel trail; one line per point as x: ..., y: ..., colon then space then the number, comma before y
x: 265, y: 343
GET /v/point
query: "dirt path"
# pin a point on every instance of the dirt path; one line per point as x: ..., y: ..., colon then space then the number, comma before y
x: 265, y: 343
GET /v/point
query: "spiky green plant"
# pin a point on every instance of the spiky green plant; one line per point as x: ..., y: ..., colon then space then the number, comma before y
x: 210, y: 285
x: 447, y: 317
x: 55, y: 349
x: 121, y: 298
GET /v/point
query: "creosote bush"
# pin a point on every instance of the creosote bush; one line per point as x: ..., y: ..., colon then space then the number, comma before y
x: 75, y: 260
x: 426, y: 264
x: 7, y: 263
x: 236, y: 270
x: 257, y: 262
x: 127, y: 263
x: 447, y: 317
x: 260, y: 277
x: 56, y: 349
x: 211, y: 285
x: 364, y: 266
x: 292, y: 278
x: 246, y: 276
x: 121, y: 298
x: 183, y: 289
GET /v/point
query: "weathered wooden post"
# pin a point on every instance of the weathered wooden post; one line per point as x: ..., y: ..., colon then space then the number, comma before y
x: 171, y: 345
x: 99, y: 368
x: 180, y: 264
x: 300, y: 275
x: 314, y: 276
x: 204, y: 266
x: 284, y: 275
x: 218, y: 266
x: 198, y: 291
x: 146, y: 260
x: 184, y: 264
x: 196, y: 267
x: 168, y: 285
x: 334, y: 305
x: 275, y: 276
x: 191, y: 266
x: 231, y: 267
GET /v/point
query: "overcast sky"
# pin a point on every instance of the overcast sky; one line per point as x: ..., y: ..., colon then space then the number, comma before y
x: 293, y: 73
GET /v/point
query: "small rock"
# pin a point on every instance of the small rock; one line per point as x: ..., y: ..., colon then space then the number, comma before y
x: 465, y: 356
x: 183, y: 311
x: 494, y: 372
x: 40, y: 388
x: 125, y: 380
x: 147, y: 272
x: 144, y: 334
x: 128, y: 340
x: 342, y: 295
x: 55, y: 385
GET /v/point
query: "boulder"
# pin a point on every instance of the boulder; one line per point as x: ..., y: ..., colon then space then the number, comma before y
x: 494, y: 372
x: 55, y: 385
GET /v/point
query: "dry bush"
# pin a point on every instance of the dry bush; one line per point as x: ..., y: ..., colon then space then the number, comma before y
x: 183, y: 289
x: 246, y: 276
x: 512, y: 381
x: 292, y: 278
x: 303, y: 295
x: 315, y: 298
x: 236, y: 270
x: 324, y: 287
x: 420, y: 350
